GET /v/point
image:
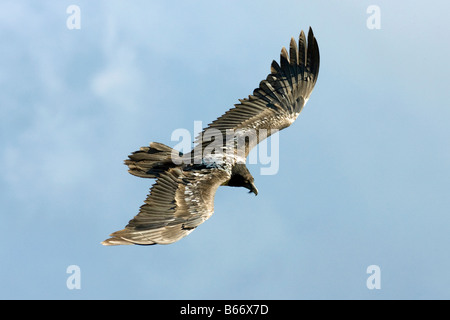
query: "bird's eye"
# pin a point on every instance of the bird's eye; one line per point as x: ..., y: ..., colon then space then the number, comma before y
x: 246, y: 181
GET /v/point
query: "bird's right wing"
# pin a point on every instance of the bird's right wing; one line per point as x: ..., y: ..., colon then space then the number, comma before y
x: 278, y: 100
x: 178, y: 202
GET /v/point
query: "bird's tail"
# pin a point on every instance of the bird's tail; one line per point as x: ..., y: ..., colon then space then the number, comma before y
x: 150, y: 162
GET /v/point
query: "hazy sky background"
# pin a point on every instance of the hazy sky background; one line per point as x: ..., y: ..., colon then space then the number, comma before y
x: 364, y: 172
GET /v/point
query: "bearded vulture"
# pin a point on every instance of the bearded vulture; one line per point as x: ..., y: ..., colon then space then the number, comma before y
x: 183, y: 195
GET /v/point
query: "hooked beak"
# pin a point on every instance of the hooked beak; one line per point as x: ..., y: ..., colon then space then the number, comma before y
x: 253, y: 188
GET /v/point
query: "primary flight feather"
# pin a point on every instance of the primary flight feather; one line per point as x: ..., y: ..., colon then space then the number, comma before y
x: 183, y: 195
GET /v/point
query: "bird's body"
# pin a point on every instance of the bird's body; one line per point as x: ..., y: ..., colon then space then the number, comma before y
x: 183, y: 196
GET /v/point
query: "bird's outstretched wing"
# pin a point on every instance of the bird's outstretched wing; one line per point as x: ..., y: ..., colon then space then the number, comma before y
x: 178, y: 202
x: 278, y: 100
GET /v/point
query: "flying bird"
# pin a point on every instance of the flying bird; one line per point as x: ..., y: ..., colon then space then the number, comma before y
x: 183, y: 195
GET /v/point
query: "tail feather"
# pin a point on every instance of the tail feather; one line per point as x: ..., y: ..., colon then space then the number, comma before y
x: 150, y: 162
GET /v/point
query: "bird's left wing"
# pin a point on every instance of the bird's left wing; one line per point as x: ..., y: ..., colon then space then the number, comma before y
x: 278, y: 100
x: 178, y: 202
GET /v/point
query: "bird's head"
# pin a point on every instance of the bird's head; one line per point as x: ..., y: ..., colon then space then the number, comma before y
x: 250, y: 185
x: 241, y: 177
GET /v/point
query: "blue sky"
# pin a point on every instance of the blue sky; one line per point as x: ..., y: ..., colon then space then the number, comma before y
x: 364, y: 172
